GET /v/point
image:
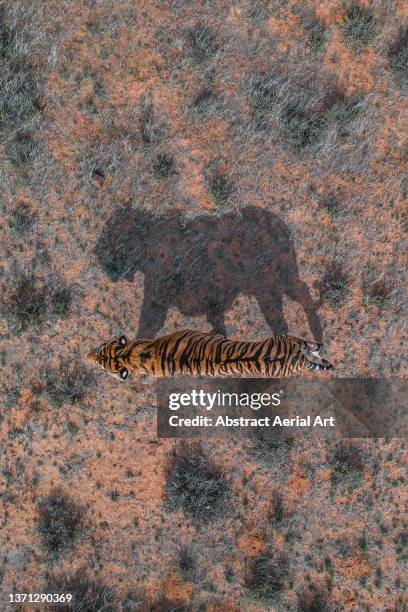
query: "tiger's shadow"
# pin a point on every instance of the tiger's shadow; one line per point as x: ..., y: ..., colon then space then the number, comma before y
x: 200, y: 265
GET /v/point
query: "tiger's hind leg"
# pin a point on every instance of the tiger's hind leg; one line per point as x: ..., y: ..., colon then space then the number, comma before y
x: 322, y: 365
x: 314, y: 348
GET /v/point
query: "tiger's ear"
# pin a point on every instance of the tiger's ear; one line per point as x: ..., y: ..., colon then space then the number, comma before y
x: 124, y: 373
x: 123, y: 340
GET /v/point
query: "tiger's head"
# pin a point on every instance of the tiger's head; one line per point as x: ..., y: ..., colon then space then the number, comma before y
x: 111, y: 357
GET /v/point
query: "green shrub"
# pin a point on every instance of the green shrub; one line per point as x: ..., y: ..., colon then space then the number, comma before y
x: 269, y: 444
x: 265, y: 577
x: 69, y: 383
x: 194, y: 483
x: 187, y: 562
x: 146, y: 124
x: 89, y: 595
x: 28, y: 304
x: 164, y: 166
x: 18, y: 88
x: 312, y: 599
x: 399, y: 55
x: 347, y: 461
x: 303, y: 128
x: 316, y: 34
x: 21, y: 221
x: 377, y: 292
x: 201, y: 42
x: 61, y: 300
x: 359, y: 25
x: 258, y: 10
x: 134, y: 602
x: 334, y: 287
x: 401, y: 541
x: 306, y: 116
x: 306, y: 127
x: 164, y: 604
x: 204, y: 102
x: 221, y: 187
x: 332, y: 205
x: 33, y: 301
x: 265, y: 100
x: 21, y: 149
x: 60, y: 520
x: 277, y: 510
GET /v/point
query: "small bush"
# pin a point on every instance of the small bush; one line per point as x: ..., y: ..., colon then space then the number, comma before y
x: 277, y: 510
x: 332, y: 205
x: 399, y: 55
x: 60, y: 520
x: 21, y: 221
x: 334, y: 284
x: 266, y: 575
x: 147, y: 124
x: 187, y: 562
x: 61, y: 300
x: 21, y: 149
x: 134, y: 602
x: 10, y: 396
x: 164, y: 166
x: 377, y: 292
x: 28, y: 304
x: 306, y: 116
x: 201, y: 43
x: 194, y: 483
x: 312, y: 599
x: 265, y: 100
x: 164, y: 604
x: 359, y: 25
x: 18, y: 88
x: 258, y: 10
x: 69, y: 383
x: 221, y: 187
x: 269, y: 444
x: 204, y: 102
x: 89, y: 595
x: 401, y: 541
x: 306, y: 127
x: 316, y: 34
x: 33, y: 301
x: 302, y: 127
x: 347, y: 461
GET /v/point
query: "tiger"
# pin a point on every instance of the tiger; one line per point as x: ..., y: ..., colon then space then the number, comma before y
x: 190, y: 352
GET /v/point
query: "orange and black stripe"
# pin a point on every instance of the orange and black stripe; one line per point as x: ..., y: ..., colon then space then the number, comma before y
x: 196, y: 353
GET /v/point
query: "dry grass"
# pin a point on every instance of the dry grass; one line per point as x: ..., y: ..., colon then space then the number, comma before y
x: 359, y: 25
x: 194, y: 483
x: 88, y: 593
x: 189, y: 114
x: 30, y: 300
x: 266, y: 576
x: 60, y: 520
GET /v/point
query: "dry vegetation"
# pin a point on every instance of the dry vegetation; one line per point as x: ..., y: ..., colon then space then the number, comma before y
x: 197, y: 109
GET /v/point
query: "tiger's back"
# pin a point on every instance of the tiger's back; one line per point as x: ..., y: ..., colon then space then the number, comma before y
x: 195, y: 353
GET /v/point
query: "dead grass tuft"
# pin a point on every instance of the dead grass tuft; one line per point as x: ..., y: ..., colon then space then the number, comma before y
x: 89, y: 594
x: 29, y: 300
x: 201, y: 43
x: 60, y: 520
x: 195, y: 483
